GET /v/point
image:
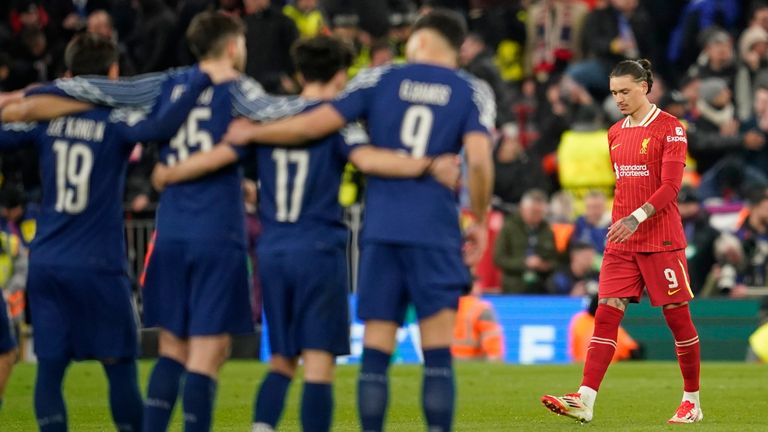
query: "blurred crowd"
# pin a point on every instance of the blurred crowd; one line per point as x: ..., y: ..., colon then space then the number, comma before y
x: 547, y: 62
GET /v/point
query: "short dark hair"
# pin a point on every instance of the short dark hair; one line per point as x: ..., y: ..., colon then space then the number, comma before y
x: 640, y: 70
x: 319, y: 58
x: 449, y: 24
x: 209, y: 31
x: 90, y: 54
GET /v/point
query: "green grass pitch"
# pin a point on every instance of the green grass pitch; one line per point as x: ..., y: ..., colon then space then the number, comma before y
x: 634, y: 397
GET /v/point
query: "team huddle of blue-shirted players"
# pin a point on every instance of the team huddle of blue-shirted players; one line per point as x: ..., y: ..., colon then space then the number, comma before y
x: 417, y: 116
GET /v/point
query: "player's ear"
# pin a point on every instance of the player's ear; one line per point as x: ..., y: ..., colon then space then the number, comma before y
x: 340, y: 79
x: 114, y: 71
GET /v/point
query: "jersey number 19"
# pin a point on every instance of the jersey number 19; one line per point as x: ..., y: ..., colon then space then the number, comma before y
x: 73, y: 173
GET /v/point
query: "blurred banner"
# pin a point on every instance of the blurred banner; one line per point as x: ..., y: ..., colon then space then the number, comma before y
x: 535, y: 330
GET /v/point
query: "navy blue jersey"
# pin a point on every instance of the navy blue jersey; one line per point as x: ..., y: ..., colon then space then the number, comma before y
x: 422, y: 110
x: 83, y: 159
x: 298, y: 202
x: 211, y: 207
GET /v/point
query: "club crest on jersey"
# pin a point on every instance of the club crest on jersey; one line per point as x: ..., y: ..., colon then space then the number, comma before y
x: 644, y: 146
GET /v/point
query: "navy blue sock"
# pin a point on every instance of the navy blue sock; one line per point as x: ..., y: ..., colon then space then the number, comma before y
x: 373, y: 389
x: 49, y: 402
x: 316, y: 407
x: 199, y: 394
x: 438, y: 391
x: 162, y: 394
x: 124, y: 395
x: 270, y: 400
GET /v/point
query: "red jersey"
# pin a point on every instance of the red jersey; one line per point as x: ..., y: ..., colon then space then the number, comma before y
x: 637, y: 153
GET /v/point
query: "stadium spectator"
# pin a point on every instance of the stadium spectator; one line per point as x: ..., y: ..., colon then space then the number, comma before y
x: 623, y: 30
x: 724, y: 280
x: 382, y: 53
x: 69, y: 17
x: 700, y: 236
x: 553, y: 37
x: 477, y: 59
x: 517, y: 171
x: 268, y: 38
x: 582, y: 327
x: 592, y: 227
x: 100, y: 22
x: 758, y: 122
x: 717, y: 129
x: 753, y: 234
x: 693, y: 22
x: 645, y: 243
x: 717, y: 59
x: 307, y: 17
x: 152, y: 45
x: 578, y: 277
x: 477, y: 334
x: 753, y: 58
x: 525, y: 248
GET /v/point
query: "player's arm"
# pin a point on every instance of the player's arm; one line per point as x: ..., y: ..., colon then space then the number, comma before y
x: 42, y: 107
x: 299, y: 129
x: 197, y: 165
x: 477, y: 150
x: 166, y: 122
x: 380, y: 162
x: 672, y: 170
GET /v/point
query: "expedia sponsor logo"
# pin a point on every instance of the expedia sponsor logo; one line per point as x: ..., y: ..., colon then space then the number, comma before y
x: 631, y: 170
x: 677, y: 138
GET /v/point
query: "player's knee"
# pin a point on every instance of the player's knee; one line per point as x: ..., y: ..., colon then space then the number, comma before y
x: 380, y: 335
x: 173, y: 347
x: 283, y: 365
x: 318, y: 366
x: 674, y: 305
x: 618, y: 303
x: 437, y: 330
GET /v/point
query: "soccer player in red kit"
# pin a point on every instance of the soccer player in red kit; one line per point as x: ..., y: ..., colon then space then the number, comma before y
x: 646, y: 243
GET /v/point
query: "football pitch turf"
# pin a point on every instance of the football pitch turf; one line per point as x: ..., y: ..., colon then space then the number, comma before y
x: 637, y: 396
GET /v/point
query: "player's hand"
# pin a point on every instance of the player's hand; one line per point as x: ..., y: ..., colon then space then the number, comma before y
x: 446, y: 169
x: 160, y: 177
x: 239, y: 132
x: 475, y: 242
x: 620, y: 231
x: 11, y: 98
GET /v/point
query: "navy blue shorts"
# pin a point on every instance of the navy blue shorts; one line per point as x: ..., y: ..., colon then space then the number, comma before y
x: 7, y: 338
x: 392, y: 275
x: 306, y: 301
x: 197, y: 288
x: 81, y: 313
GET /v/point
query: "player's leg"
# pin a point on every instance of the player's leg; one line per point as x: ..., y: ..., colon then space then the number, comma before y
x: 381, y: 304
x: 373, y: 379
x: 164, y: 381
x: 206, y: 356
x: 278, y: 298
x: 164, y: 293
x: 669, y: 286
x: 436, y: 279
x: 438, y: 387
x: 8, y: 349
x: 270, y: 399
x: 124, y: 394
x: 620, y: 282
x: 317, y: 396
x: 52, y: 330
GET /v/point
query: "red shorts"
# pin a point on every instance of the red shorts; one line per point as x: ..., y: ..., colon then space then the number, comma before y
x: 664, y: 274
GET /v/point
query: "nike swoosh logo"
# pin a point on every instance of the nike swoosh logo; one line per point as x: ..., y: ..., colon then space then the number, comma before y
x: 682, y: 353
x: 673, y: 292
x: 615, y: 145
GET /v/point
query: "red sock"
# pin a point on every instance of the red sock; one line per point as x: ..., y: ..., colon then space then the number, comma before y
x: 686, y: 345
x: 602, y: 346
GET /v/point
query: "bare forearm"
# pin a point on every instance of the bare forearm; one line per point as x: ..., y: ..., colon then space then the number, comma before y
x: 37, y: 108
x: 386, y: 163
x: 201, y: 163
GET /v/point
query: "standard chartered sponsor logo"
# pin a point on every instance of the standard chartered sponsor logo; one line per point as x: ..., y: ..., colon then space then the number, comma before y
x: 631, y: 170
